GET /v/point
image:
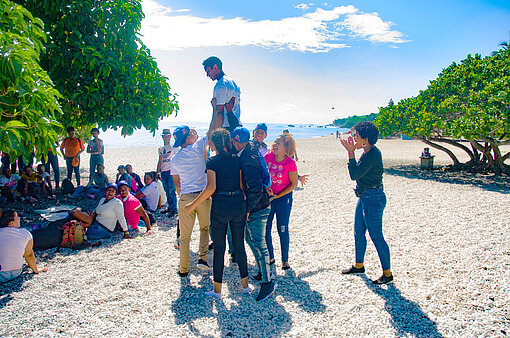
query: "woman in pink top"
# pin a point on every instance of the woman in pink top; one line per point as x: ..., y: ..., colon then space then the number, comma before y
x: 15, y: 245
x: 284, y: 179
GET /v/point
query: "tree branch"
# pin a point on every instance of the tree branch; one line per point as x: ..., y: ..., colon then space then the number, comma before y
x: 446, y: 150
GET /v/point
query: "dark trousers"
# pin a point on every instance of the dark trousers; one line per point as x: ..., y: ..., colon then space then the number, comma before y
x: 228, y: 211
x: 70, y: 169
x: 53, y: 161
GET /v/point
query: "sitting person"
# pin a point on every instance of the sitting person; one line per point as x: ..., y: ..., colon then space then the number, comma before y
x: 149, y: 195
x: 15, y: 244
x: 43, y: 178
x: 27, y: 185
x: 123, y: 175
x: 103, y: 222
x: 135, y: 176
x: 133, y: 209
x: 96, y: 186
x: 8, y: 184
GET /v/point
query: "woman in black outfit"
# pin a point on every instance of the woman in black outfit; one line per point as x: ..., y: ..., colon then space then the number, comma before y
x: 228, y: 207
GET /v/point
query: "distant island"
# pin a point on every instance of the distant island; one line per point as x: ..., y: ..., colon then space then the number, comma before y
x: 350, y: 121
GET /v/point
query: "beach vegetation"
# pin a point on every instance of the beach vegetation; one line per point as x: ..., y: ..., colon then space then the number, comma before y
x: 29, y: 103
x: 351, y: 121
x: 467, y: 108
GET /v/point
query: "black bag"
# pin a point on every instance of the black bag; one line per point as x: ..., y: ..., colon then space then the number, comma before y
x: 50, y: 236
x: 67, y: 186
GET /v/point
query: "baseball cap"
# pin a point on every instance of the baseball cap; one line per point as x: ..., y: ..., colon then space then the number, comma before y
x: 122, y: 182
x: 262, y: 126
x: 121, y: 167
x: 241, y: 134
x: 179, y: 134
x: 112, y: 185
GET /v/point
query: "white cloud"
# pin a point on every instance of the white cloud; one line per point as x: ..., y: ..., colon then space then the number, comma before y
x: 318, y: 31
x: 303, y: 7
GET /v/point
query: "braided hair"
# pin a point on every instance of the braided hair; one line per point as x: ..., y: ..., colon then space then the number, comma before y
x: 221, y: 140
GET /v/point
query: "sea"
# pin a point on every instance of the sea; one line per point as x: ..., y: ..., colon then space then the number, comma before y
x: 144, y: 138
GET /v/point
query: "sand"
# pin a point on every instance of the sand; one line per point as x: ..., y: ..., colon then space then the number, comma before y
x: 450, y: 248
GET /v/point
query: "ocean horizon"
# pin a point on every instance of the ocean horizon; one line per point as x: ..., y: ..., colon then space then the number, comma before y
x: 144, y: 138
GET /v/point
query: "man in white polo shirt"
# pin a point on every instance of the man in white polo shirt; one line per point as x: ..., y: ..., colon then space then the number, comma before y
x: 188, y: 172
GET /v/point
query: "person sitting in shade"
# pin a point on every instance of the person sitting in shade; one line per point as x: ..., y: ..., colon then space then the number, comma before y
x: 135, y: 176
x: 27, y: 185
x: 123, y: 175
x: 8, y: 184
x: 43, y: 178
x: 149, y: 195
x: 133, y: 209
x: 96, y: 186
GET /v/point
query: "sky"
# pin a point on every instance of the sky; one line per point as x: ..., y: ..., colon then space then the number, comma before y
x: 312, y: 62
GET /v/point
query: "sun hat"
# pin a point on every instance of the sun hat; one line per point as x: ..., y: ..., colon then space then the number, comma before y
x: 179, y: 134
x: 262, y: 126
x: 112, y: 185
x: 166, y: 132
x: 241, y: 134
x: 122, y: 182
x: 121, y: 167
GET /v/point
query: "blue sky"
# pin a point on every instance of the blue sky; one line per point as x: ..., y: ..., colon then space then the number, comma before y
x: 295, y: 61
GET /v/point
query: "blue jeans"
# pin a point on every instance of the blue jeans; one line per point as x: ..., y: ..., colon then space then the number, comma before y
x: 6, y: 276
x: 368, y: 216
x: 255, y: 236
x: 70, y: 169
x: 169, y: 186
x: 95, y: 159
x: 281, y: 207
x: 53, y: 161
x: 97, y: 231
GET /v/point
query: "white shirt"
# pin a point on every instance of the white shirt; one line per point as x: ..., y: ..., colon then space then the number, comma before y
x: 111, y: 212
x: 13, y: 242
x: 224, y: 90
x: 189, y: 164
x: 11, y: 182
x: 166, y: 153
x: 151, y: 193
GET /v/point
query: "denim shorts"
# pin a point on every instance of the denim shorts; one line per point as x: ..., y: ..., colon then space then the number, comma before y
x: 6, y: 276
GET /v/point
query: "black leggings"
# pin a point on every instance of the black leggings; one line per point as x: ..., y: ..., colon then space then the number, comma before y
x: 228, y: 211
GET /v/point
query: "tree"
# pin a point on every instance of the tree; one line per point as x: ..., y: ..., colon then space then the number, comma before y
x: 28, y: 102
x: 467, y: 106
x: 99, y: 64
x: 350, y: 121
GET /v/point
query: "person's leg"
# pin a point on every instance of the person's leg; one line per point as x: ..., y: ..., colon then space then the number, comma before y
x: 6, y: 276
x: 53, y: 160
x: 77, y: 174
x: 204, y: 219
x: 83, y: 217
x: 21, y: 164
x: 80, y: 190
x: 97, y: 231
x: 219, y: 212
x: 69, y: 166
x: 22, y: 187
x: 284, y: 207
x: 269, y: 225
x: 255, y: 237
x: 360, y: 241
x: 229, y: 242
x: 374, y: 205
x: 186, y: 223
x: 169, y: 186
x: 237, y: 224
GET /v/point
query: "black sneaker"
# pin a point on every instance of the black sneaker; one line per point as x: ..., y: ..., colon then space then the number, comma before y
x: 203, y: 265
x: 164, y: 211
x: 266, y: 290
x: 272, y: 261
x: 182, y: 274
x: 383, y: 280
x: 258, y: 276
x: 353, y: 270
x: 211, y: 246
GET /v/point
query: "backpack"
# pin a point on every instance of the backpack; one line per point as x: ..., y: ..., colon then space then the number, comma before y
x: 67, y: 186
x: 73, y: 234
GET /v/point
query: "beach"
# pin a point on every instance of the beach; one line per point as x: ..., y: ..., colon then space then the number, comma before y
x: 448, y: 235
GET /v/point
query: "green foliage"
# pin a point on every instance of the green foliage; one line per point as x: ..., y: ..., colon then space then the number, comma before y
x: 97, y: 61
x: 28, y: 102
x: 351, y: 121
x: 468, y: 101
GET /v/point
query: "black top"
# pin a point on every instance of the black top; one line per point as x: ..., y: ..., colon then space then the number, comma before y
x: 227, y: 169
x: 367, y: 171
x: 256, y: 195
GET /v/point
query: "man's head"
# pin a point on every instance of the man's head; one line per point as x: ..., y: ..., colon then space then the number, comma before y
x: 213, y: 67
x: 100, y: 168
x: 121, y: 169
x: 129, y: 168
x: 180, y: 135
x: 7, y: 172
x: 167, y: 136
x: 148, y: 177
x: 40, y: 168
x: 123, y: 189
x: 240, y: 137
x: 94, y: 132
x: 111, y: 191
x: 260, y: 133
x: 28, y: 170
x: 71, y: 132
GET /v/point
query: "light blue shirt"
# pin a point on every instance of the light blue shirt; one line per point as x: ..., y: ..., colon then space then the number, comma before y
x: 189, y: 164
x: 224, y: 90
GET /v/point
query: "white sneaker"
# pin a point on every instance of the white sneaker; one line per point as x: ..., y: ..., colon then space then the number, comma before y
x: 213, y: 294
x: 248, y: 289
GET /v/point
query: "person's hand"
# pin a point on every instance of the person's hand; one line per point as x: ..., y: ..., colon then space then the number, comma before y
x: 150, y: 232
x: 348, y: 144
x: 270, y: 191
x: 229, y: 106
x: 188, y: 209
x: 303, y: 179
x: 247, y: 216
x: 213, y: 102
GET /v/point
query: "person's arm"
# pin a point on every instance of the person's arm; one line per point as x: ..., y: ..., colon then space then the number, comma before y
x: 293, y: 178
x: 158, y: 168
x: 145, y: 218
x: 82, y: 148
x: 89, y: 149
x: 99, y: 146
x: 177, y: 183
x: 63, y: 145
x: 30, y: 257
x: 254, y: 188
x: 205, y: 194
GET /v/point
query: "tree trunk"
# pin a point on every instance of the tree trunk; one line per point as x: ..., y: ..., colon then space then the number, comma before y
x: 446, y: 150
x: 485, y: 151
x: 498, y: 165
x: 458, y: 145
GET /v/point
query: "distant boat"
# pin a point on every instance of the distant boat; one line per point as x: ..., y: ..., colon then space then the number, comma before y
x: 291, y: 125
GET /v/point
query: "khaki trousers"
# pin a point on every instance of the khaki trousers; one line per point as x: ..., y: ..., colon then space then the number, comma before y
x: 186, y: 223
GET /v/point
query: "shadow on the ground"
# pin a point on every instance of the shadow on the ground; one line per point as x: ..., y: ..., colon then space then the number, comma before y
x: 491, y: 182
x: 295, y: 289
x: 406, y: 316
x: 8, y: 289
